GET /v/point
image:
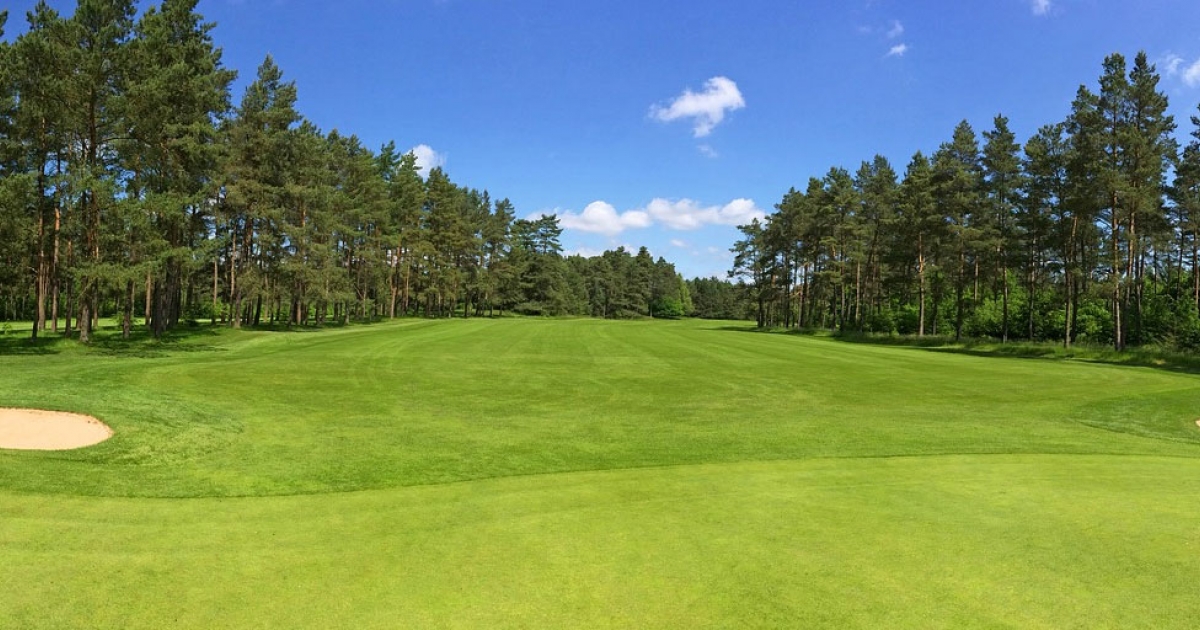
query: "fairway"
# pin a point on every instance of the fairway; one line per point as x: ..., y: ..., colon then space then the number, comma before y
x: 587, y: 473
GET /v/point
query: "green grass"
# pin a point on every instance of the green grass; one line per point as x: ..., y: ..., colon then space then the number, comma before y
x: 582, y: 473
x: 1147, y: 356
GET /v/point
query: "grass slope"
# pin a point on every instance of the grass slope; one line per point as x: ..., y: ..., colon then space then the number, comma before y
x: 525, y: 473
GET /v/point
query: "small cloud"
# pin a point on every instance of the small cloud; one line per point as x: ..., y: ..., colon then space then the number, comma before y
x: 1173, y: 66
x: 678, y: 243
x: 427, y: 158
x: 1191, y: 74
x: 1040, y: 7
x: 586, y: 252
x: 707, y: 151
x: 706, y: 109
x: 891, y: 30
x: 1170, y: 64
x: 897, y: 51
x: 599, y: 217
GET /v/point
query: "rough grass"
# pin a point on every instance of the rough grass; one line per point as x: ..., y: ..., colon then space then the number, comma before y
x: 530, y: 473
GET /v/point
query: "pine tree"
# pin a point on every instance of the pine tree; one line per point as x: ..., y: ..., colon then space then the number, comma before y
x: 1147, y: 152
x: 878, y: 192
x: 958, y: 191
x: 1002, y: 180
x: 920, y: 230
x: 176, y: 94
x: 1185, y: 193
x: 255, y: 180
x: 94, y: 95
x: 1042, y: 207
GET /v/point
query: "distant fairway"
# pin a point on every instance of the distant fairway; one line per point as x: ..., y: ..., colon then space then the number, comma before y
x: 582, y: 473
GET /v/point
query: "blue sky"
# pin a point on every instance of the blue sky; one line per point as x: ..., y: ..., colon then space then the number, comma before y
x: 665, y: 123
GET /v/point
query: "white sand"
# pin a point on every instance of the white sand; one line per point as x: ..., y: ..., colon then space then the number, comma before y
x: 34, y: 430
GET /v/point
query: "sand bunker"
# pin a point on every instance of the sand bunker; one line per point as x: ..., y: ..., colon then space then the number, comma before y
x: 34, y: 430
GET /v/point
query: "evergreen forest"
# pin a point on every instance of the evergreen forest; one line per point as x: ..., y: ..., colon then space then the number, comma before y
x: 1086, y: 232
x: 132, y: 187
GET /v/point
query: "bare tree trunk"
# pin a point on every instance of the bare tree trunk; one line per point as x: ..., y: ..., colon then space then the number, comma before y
x: 959, y: 289
x: 216, y: 274
x: 85, y: 319
x: 1195, y: 272
x: 41, y: 281
x: 54, y: 270
x: 920, y: 286
x: 975, y: 289
x: 149, y: 296
x: 70, y: 290
x: 1004, y: 287
x: 858, y: 316
x: 937, y: 304
x: 127, y: 314
x: 1118, y: 341
x: 235, y: 300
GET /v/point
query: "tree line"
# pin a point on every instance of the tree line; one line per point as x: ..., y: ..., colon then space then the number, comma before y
x: 131, y: 186
x: 1087, y: 232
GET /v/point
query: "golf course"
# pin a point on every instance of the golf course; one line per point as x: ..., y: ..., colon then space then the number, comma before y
x: 526, y: 473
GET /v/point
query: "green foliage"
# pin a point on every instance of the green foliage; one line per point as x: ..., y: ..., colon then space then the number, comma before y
x: 1080, y: 233
x: 132, y: 184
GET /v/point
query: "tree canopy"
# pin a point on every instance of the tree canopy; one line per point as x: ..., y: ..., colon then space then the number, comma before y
x: 1088, y: 232
x: 132, y: 185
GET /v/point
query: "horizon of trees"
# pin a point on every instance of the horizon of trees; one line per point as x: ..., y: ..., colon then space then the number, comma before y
x: 1090, y: 231
x: 131, y: 186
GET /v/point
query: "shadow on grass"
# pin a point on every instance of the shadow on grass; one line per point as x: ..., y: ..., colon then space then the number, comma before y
x: 107, y: 341
x: 1151, y: 357
x: 11, y: 344
x: 307, y: 328
x: 187, y: 337
x: 142, y: 345
x: 750, y: 328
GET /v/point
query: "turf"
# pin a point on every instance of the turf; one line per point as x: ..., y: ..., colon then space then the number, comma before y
x: 581, y: 473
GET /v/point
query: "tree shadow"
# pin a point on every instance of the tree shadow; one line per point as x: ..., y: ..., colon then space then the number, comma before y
x: 22, y: 345
x: 107, y: 341
x: 1154, y: 358
x: 142, y: 344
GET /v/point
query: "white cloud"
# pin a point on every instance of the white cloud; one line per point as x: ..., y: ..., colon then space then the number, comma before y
x: 706, y: 109
x: 1191, y: 74
x: 678, y: 243
x: 897, y: 51
x: 586, y: 252
x: 686, y: 214
x: 600, y: 217
x: 427, y: 158
x: 1040, y: 7
x: 1173, y: 66
x: 1170, y: 64
x: 896, y: 30
x: 708, y: 151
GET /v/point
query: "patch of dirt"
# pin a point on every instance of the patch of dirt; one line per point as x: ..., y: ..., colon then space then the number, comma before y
x: 36, y: 430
